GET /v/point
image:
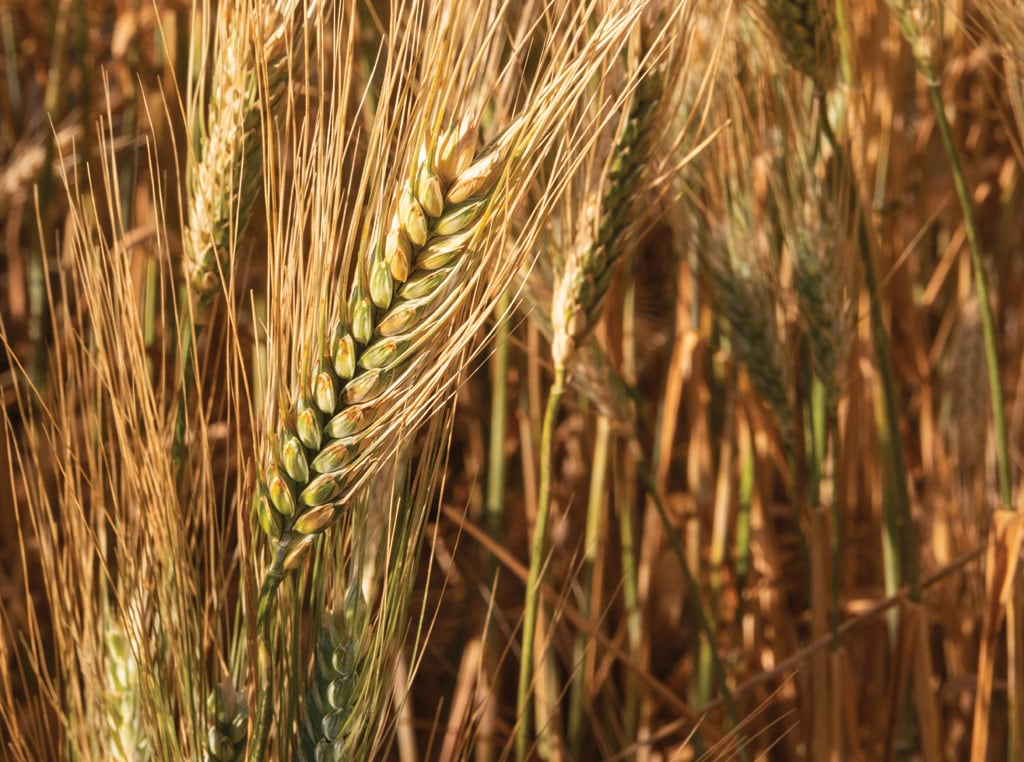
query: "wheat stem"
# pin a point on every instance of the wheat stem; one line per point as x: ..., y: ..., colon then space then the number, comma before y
x: 533, y: 578
x: 265, y: 699
x: 901, y: 538
x: 981, y: 284
x: 592, y: 537
x: 499, y: 420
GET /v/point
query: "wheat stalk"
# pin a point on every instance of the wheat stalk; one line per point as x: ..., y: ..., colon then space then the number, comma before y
x: 418, y: 289
x: 406, y: 285
x: 575, y: 308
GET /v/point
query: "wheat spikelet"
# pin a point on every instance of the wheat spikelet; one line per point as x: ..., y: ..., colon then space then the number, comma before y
x: 330, y: 707
x: 579, y: 293
x: 125, y: 739
x: 749, y: 309
x: 805, y: 30
x: 229, y: 715
x: 406, y: 279
x: 916, y: 19
x: 224, y: 182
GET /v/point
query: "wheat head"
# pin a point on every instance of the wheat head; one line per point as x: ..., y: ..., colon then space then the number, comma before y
x: 805, y: 30
x: 579, y: 294
x: 406, y: 278
x: 248, y: 84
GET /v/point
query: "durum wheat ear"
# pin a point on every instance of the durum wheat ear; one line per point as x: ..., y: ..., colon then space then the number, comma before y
x: 229, y: 720
x: 579, y: 294
x: 805, y: 31
x: 406, y: 278
x: 334, y: 687
x: 226, y: 178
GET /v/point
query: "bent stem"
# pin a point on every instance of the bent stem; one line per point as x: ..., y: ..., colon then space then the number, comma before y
x: 533, y: 579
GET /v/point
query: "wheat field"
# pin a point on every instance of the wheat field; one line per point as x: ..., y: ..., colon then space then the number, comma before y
x: 568, y: 380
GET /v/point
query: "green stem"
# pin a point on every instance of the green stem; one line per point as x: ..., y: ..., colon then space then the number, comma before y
x: 595, y: 510
x: 186, y: 386
x: 696, y: 605
x: 980, y: 283
x: 533, y: 580
x: 899, y: 521
x: 746, y: 495
x: 495, y: 504
x: 835, y: 531
x: 265, y: 697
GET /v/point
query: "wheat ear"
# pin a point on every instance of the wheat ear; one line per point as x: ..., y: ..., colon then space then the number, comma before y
x: 335, y: 684
x: 406, y: 282
x: 226, y: 178
x: 748, y: 308
x: 805, y: 30
x: 406, y: 279
x: 226, y: 737
x: 575, y: 308
x: 579, y: 294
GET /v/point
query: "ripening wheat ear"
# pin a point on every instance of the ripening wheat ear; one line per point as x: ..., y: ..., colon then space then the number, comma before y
x: 805, y: 31
x: 409, y: 283
x: 581, y: 288
x: 406, y: 282
x: 248, y: 85
x: 733, y: 253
